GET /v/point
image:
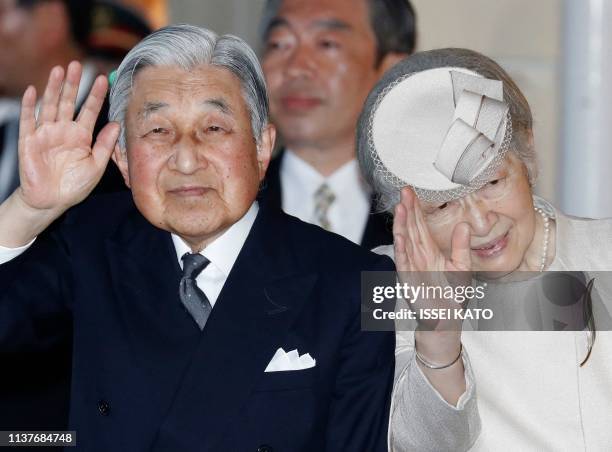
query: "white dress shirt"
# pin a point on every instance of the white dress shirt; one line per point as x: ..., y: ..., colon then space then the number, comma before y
x: 222, y: 254
x: 8, y: 254
x: 347, y: 214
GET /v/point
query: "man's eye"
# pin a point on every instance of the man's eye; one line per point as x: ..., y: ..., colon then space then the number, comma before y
x: 443, y: 206
x: 272, y: 45
x: 494, y: 182
x: 328, y: 44
x: 214, y: 129
x: 158, y: 131
x: 276, y: 45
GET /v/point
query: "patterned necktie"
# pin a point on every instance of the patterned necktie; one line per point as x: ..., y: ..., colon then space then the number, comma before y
x: 191, y: 295
x: 324, y: 197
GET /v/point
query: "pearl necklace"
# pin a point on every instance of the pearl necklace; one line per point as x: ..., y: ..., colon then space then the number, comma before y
x: 546, y: 220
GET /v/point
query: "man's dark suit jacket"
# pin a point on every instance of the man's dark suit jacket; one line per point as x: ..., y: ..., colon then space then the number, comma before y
x: 146, y: 378
x: 378, y: 230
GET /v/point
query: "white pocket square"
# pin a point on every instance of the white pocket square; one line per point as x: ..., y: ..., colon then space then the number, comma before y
x: 282, y: 361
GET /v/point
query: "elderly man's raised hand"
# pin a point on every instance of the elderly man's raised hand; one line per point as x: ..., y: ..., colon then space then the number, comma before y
x: 58, y: 167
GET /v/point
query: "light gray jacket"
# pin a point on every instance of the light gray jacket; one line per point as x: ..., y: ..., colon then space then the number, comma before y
x: 532, y: 394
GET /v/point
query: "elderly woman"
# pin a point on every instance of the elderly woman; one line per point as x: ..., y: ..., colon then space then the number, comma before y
x: 446, y: 137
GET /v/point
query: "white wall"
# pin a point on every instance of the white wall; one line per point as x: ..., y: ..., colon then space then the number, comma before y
x: 524, y: 37
x: 585, y: 184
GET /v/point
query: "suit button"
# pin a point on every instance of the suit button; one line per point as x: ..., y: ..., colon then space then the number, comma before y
x: 103, y: 407
x: 265, y: 448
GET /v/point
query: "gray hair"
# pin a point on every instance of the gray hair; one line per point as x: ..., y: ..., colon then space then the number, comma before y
x: 520, y: 113
x: 393, y: 23
x: 188, y: 46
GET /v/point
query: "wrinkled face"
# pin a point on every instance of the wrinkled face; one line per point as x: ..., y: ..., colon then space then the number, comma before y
x: 320, y: 64
x: 192, y: 162
x: 500, y: 216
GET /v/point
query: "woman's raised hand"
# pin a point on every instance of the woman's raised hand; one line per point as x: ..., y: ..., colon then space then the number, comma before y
x: 415, y: 248
x: 58, y: 167
x: 419, y: 260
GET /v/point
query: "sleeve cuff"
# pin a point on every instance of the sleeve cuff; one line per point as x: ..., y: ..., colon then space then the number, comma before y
x: 8, y: 254
x: 469, y: 384
x: 417, y: 411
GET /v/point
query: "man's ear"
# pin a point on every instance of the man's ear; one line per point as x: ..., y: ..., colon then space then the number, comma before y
x: 119, y: 156
x: 265, y: 148
x: 390, y: 60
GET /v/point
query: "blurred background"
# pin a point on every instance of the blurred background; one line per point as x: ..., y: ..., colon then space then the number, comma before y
x: 558, y: 51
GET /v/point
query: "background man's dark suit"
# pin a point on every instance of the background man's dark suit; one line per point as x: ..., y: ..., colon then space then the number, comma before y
x: 146, y: 378
x: 378, y: 230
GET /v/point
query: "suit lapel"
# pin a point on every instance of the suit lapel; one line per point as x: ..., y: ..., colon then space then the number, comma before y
x: 259, y: 302
x: 145, y: 275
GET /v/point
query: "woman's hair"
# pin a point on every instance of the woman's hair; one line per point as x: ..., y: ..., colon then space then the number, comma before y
x: 520, y: 113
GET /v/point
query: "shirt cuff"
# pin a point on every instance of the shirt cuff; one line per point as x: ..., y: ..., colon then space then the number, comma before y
x: 8, y: 254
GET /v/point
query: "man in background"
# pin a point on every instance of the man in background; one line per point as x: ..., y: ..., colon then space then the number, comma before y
x: 37, y: 35
x: 320, y: 59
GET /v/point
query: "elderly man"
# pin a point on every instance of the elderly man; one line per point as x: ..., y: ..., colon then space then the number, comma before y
x: 320, y: 59
x: 201, y: 322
